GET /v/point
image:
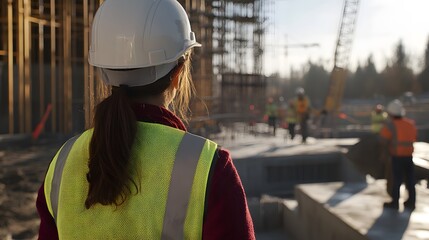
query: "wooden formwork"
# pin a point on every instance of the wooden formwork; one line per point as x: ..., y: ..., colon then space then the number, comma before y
x: 43, y: 60
x: 43, y: 48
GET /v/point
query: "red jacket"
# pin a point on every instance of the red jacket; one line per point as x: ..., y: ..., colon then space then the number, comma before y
x: 227, y: 215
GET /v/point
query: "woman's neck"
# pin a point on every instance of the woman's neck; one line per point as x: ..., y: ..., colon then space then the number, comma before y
x: 159, y: 100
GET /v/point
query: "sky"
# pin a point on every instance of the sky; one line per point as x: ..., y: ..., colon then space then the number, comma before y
x: 380, y: 25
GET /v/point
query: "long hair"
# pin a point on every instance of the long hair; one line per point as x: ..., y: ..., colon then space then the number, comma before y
x: 110, y: 177
x: 186, y: 90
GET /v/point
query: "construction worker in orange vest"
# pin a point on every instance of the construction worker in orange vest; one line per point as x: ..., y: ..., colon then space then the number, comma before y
x: 302, y: 106
x: 398, y: 135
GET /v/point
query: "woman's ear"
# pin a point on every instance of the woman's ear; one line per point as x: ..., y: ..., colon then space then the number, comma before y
x: 175, y: 75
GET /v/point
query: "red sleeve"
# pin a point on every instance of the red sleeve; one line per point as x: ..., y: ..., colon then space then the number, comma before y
x: 48, y: 228
x: 227, y: 215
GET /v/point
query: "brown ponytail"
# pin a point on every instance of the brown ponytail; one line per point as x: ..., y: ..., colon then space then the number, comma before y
x: 109, y: 151
x: 109, y: 176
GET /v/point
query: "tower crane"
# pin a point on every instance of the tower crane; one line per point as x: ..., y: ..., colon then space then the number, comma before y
x: 341, y: 56
x: 341, y: 59
x: 300, y: 45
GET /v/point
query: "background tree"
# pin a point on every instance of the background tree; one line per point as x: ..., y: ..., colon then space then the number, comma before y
x: 423, y: 77
x: 316, y: 83
x: 371, y: 80
x: 398, y: 78
x: 364, y: 83
x: 353, y: 85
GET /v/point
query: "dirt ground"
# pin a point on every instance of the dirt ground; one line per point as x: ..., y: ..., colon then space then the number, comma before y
x: 22, y: 169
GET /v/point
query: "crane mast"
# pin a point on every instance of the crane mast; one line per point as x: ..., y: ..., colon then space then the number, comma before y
x: 341, y: 56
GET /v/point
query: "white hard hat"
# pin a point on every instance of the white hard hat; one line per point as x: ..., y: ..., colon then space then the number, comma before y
x: 300, y: 91
x: 395, y: 108
x: 147, y: 36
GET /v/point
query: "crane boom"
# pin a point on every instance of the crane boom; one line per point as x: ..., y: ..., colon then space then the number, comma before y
x: 342, y: 55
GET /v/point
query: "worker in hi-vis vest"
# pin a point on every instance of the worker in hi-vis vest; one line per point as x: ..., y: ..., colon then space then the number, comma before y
x: 302, y: 106
x: 271, y: 111
x: 378, y: 118
x: 398, y: 136
x: 291, y: 119
x: 138, y: 174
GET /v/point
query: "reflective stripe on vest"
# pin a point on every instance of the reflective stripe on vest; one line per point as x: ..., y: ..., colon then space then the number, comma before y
x: 58, y: 172
x: 179, y: 193
x: 181, y: 181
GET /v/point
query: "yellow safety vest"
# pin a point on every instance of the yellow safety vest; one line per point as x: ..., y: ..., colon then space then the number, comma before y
x: 291, y: 115
x: 173, y: 168
x: 377, y: 121
x: 271, y: 110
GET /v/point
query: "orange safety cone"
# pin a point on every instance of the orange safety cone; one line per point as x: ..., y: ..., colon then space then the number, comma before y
x: 42, y: 123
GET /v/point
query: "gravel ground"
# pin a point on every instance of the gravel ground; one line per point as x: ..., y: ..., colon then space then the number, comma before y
x: 22, y: 169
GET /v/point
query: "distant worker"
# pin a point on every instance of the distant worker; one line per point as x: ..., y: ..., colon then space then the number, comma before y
x: 138, y: 174
x: 291, y: 119
x: 398, y: 135
x: 378, y: 118
x: 252, y: 118
x: 271, y: 111
x: 282, y: 110
x: 302, y: 105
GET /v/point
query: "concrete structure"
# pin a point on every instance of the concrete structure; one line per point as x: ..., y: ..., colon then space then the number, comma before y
x: 349, y: 211
x: 348, y: 207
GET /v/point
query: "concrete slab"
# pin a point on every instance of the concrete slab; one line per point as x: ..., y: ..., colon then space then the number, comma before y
x: 360, y: 208
x: 245, y: 145
x: 272, y: 165
x: 272, y: 235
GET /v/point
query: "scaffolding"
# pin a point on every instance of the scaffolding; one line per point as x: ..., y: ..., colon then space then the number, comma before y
x: 202, y: 64
x: 43, y: 52
x: 44, y: 49
x: 239, y: 28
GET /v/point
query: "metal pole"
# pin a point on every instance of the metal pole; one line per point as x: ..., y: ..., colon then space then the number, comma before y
x: 20, y: 56
x: 67, y: 68
x: 10, y: 63
x: 90, y: 86
x: 86, y: 91
x: 41, y: 62
x: 53, y: 68
x: 27, y: 61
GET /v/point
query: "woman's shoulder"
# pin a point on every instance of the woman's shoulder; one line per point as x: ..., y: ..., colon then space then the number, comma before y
x: 224, y: 168
x: 223, y: 157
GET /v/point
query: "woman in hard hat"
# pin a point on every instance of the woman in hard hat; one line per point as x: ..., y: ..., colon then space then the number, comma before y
x: 138, y: 174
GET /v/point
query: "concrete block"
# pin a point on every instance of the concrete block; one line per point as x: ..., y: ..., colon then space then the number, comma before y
x: 255, y: 211
x: 291, y: 221
x: 271, y: 213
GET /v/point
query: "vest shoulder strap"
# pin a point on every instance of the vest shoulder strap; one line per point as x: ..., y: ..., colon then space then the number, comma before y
x: 58, y: 172
x: 182, y: 178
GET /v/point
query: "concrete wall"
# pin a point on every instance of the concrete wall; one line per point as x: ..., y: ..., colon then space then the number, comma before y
x: 316, y: 222
x: 279, y: 175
